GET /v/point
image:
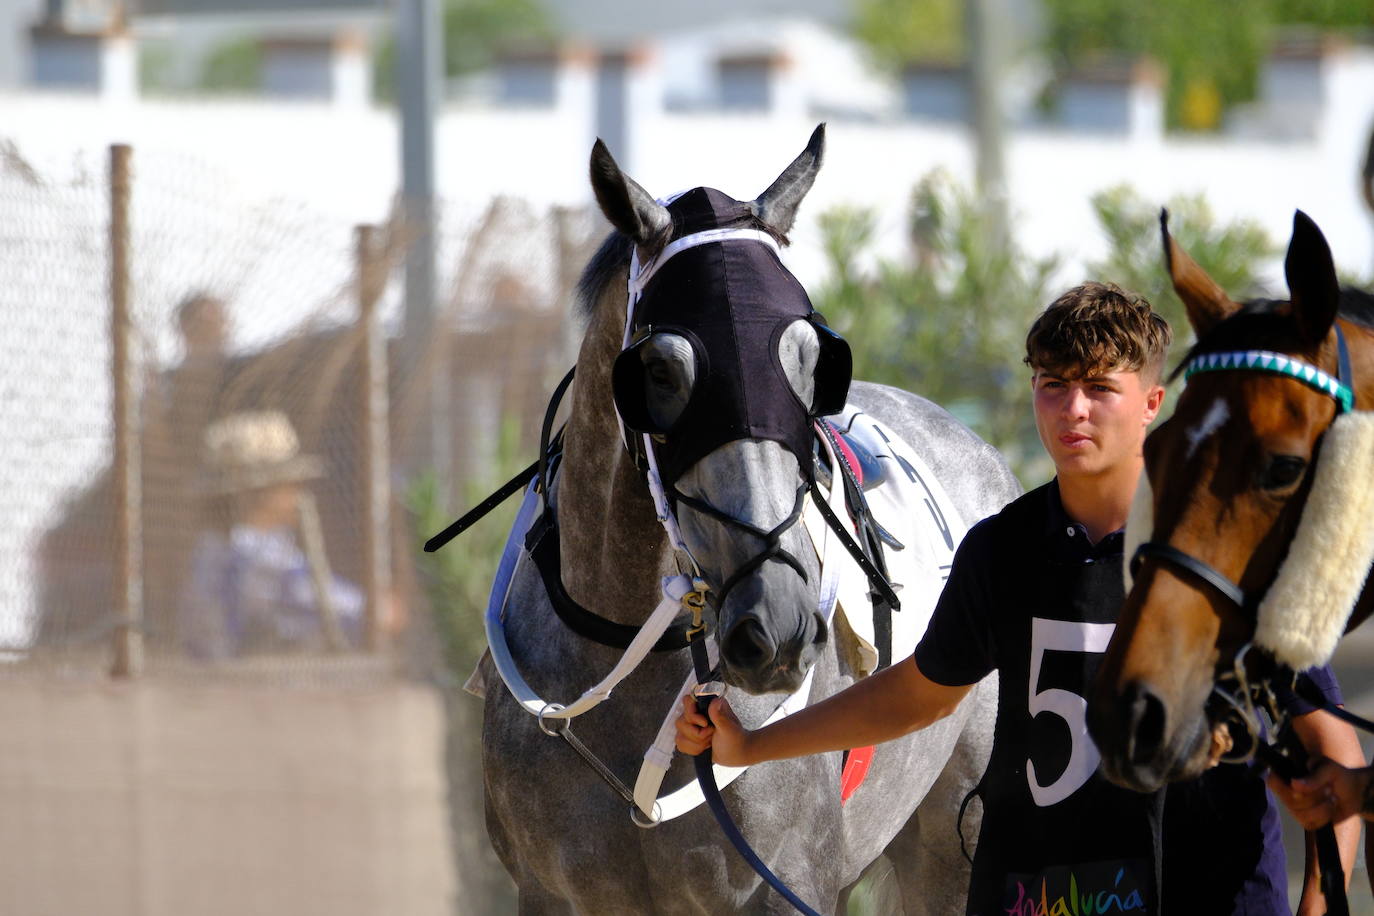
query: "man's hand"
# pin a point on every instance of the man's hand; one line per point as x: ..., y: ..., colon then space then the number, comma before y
x: 722, y: 732
x: 1331, y: 792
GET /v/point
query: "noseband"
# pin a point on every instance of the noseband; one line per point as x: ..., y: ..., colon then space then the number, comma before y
x: 1238, y: 696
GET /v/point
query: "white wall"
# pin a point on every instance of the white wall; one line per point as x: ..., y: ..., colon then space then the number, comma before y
x: 341, y: 166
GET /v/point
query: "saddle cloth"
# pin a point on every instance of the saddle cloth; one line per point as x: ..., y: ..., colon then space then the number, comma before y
x: 913, y: 507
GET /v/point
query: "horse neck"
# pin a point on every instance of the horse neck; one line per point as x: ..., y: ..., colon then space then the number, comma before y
x: 1360, y: 341
x: 614, y: 550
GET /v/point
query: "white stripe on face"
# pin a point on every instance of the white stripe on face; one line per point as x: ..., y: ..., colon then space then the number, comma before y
x: 1213, y: 420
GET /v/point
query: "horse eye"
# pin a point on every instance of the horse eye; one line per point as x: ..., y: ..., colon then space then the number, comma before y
x: 1283, y: 471
x: 658, y: 372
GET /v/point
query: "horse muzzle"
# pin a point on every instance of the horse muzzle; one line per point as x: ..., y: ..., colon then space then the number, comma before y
x: 768, y: 638
x: 1143, y: 746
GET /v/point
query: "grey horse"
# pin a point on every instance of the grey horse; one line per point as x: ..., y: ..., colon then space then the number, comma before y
x: 566, y: 837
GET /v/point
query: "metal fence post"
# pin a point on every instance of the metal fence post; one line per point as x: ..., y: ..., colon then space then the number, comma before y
x: 375, y: 445
x: 128, y: 535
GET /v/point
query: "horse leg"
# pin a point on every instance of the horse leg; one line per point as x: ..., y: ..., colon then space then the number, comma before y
x: 927, y: 856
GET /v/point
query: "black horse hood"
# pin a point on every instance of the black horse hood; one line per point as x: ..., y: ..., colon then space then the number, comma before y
x: 732, y: 300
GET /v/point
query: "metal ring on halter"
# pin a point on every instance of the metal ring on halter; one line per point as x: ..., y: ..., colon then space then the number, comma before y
x: 646, y: 821
x: 1242, y: 704
x: 552, y: 731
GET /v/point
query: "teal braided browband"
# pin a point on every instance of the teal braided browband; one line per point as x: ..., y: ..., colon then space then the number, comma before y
x: 1278, y: 363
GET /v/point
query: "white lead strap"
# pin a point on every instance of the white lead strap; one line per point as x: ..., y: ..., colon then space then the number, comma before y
x: 674, y: 588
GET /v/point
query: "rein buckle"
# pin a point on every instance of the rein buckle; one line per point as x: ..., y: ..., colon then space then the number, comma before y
x: 695, y: 602
x: 710, y: 689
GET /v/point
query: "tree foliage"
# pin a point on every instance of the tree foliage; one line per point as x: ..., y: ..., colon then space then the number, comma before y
x: 475, y: 32
x: 1211, y: 52
x: 898, y: 33
x: 949, y: 321
x: 233, y: 66
x: 457, y: 579
x: 1231, y: 253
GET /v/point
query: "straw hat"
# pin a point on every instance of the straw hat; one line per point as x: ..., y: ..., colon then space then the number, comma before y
x: 255, y: 449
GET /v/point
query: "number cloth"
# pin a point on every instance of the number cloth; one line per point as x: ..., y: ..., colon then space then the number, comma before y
x: 1031, y: 597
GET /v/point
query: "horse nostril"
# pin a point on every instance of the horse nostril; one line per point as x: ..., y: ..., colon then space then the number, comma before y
x: 1146, y: 712
x: 747, y: 645
x: 822, y: 633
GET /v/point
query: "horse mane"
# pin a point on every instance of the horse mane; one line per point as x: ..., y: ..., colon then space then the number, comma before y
x: 614, y: 256
x: 1261, y: 325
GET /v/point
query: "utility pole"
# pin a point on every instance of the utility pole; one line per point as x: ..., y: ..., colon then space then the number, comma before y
x: 982, y: 31
x: 419, y: 63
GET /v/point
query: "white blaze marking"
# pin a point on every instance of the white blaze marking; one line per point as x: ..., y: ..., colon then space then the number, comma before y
x: 1216, y: 417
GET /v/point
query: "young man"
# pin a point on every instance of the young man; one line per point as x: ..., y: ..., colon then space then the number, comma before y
x: 1033, y: 593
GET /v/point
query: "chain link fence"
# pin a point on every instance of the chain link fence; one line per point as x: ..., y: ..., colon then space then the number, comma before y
x: 242, y: 307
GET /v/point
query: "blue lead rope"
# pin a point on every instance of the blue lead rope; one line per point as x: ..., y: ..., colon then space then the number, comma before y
x: 707, y: 777
x: 711, y: 792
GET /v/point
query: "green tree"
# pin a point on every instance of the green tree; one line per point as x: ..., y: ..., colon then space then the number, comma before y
x: 475, y: 32
x: 898, y: 32
x: 1210, y: 52
x: 1231, y: 253
x: 1331, y: 14
x: 234, y: 66
x: 950, y: 323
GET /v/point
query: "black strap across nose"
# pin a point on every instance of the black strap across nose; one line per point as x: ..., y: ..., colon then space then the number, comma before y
x: 772, y: 538
x: 1192, y: 564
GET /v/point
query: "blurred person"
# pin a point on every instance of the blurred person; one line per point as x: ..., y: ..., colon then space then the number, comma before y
x: 181, y: 404
x: 259, y: 580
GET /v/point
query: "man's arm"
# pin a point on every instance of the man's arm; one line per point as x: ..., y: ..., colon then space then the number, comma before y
x: 1325, y: 736
x: 895, y: 701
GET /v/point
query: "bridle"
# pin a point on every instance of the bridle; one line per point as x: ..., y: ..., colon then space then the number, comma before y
x: 1241, y: 693
x: 1337, y: 388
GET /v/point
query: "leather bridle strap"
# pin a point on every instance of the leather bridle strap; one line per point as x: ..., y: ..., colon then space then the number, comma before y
x: 1208, y: 574
x: 707, y: 689
x: 1328, y: 851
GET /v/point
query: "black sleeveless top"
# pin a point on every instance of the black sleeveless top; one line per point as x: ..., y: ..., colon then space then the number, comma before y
x: 1028, y: 595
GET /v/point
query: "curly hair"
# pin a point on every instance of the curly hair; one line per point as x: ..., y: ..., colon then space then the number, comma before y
x: 1096, y: 328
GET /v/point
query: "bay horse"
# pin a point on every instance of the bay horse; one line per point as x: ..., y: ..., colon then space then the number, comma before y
x: 1255, y: 515
x: 731, y: 404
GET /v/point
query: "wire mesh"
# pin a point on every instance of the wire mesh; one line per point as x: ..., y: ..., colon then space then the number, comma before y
x: 246, y: 306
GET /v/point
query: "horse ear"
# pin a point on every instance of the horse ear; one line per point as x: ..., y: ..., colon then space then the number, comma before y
x: 630, y: 208
x: 1206, y: 302
x: 1312, y: 284
x: 777, y: 207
